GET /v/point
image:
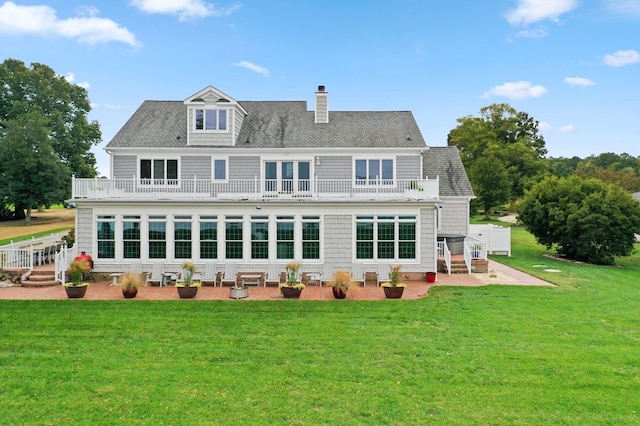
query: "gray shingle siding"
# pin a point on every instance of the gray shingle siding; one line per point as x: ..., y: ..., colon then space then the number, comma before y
x: 244, y: 167
x: 334, y: 167
x: 338, y: 239
x: 198, y: 167
x: 84, y: 227
x: 408, y: 167
x: 124, y: 166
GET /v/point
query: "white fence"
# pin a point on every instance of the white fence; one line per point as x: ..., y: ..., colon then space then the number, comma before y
x: 497, y: 238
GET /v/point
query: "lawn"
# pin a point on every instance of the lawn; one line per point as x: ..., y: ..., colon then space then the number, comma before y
x: 490, y: 355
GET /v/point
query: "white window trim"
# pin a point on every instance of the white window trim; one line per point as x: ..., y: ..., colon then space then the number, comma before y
x: 226, y: 169
x: 152, y: 180
x: 365, y: 182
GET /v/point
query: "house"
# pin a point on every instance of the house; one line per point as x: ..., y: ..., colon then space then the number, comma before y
x: 255, y: 183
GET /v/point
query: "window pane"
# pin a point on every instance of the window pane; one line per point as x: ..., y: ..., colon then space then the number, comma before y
x: 145, y: 169
x: 106, y: 249
x: 222, y: 115
x: 172, y: 169
x: 385, y: 250
x: 374, y: 169
x: 106, y: 231
x: 311, y: 231
x: 407, y: 231
x: 211, y: 119
x: 208, y: 231
x: 285, y: 250
x: 158, y: 169
x: 407, y: 250
x: 303, y: 170
x: 182, y: 237
x: 220, y: 169
x: 387, y: 169
x: 364, y: 250
x: 208, y: 250
x: 361, y: 169
x: 199, y: 119
x: 310, y: 250
x: 386, y: 231
x: 234, y: 250
x: 364, y: 231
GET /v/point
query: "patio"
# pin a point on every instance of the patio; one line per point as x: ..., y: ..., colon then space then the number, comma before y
x: 102, y: 290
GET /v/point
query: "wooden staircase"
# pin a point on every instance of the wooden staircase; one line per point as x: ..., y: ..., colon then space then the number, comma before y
x: 41, y: 276
x: 459, y: 267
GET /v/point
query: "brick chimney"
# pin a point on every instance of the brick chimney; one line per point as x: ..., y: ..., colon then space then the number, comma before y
x: 322, y: 105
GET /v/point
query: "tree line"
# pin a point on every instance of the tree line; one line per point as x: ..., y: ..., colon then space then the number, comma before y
x: 582, y: 207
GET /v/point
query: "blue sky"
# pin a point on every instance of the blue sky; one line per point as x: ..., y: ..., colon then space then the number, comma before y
x: 573, y: 65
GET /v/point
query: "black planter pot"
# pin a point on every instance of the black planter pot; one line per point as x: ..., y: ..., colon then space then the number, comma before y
x: 187, y: 292
x: 338, y: 292
x: 76, y: 292
x: 290, y: 292
x: 393, y: 292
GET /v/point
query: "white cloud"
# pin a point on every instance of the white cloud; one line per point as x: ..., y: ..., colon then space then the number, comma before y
x: 253, y: 67
x: 71, y: 78
x: 543, y: 126
x: 568, y: 128
x: 622, y: 58
x: 42, y: 21
x: 517, y: 90
x: 579, y: 81
x: 185, y: 9
x: 112, y: 106
x: 531, y: 11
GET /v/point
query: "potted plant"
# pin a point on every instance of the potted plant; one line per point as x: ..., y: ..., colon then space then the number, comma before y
x: 292, y: 287
x: 76, y: 289
x: 394, y: 288
x: 341, y: 283
x: 188, y: 288
x: 130, y: 281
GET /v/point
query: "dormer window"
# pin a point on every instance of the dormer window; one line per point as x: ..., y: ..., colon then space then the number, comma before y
x: 211, y: 120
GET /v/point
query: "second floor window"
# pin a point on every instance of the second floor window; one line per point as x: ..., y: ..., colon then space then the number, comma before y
x: 374, y: 172
x: 159, y: 172
x: 211, y: 119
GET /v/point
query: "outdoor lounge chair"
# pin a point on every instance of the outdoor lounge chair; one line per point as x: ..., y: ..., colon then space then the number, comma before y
x: 156, y: 275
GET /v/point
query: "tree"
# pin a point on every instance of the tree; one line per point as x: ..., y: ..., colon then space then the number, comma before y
x: 492, y: 184
x: 506, y: 135
x: 586, y: 219
x: 39, y: 90
x: 32, y: 174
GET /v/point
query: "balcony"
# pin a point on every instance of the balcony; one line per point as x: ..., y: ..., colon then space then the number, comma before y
x: 255, y: 189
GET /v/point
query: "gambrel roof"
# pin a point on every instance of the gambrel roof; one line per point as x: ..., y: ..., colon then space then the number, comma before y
x: 274, y: 124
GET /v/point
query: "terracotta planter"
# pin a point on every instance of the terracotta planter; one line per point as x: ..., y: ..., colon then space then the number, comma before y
x: 129, y: 292
x: 393, y: 292
x: 187, y: 292
x: 431, y: 277
x: 338, y: 292
x: 76, y: 292
x: 290, y: 292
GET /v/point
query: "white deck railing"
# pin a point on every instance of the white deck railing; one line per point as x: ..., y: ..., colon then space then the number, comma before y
x: 251, y: 189
x: 445, y: 253
x: 474, y: 249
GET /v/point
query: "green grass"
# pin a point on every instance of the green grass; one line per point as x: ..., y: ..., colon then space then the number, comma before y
x: 489, y: 355
x: 34, y: 235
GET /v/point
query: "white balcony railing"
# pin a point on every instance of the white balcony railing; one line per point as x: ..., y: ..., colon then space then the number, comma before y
x: 252, y: 189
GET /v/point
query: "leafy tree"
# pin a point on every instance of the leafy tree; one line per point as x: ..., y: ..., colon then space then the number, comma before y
x: 506, y: 135
x: 492, y: 184
x: 625, y: 179
x: 32, y: 174
x: 24, y: 90
x: 586, y: 219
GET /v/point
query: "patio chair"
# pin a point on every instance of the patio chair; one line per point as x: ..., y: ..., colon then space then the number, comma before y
x: 230, y: 275
x: 273, y: 276
x: 209, y: 275
x: 156, y: 275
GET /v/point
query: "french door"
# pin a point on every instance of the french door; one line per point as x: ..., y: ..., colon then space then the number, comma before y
x: 287, y: 177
